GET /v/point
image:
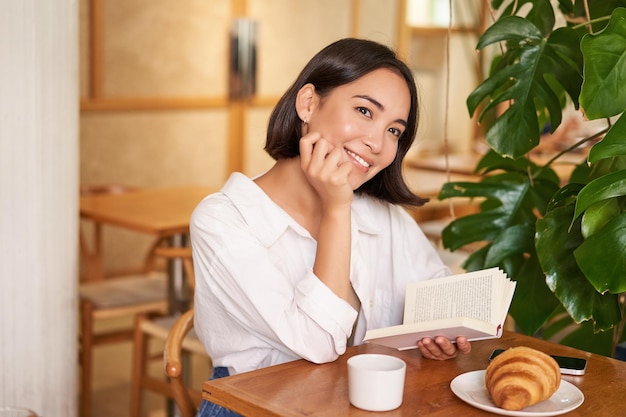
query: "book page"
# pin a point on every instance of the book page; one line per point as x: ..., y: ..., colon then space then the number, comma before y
x: 474, y: 294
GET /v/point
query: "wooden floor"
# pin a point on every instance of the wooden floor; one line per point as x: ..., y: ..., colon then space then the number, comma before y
x: 111, y: 384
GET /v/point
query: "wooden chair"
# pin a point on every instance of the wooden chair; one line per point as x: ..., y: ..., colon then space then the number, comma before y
x: 187, y: 399
x: 143, y: 293
x: 178, y: 336
x: 114, y: 298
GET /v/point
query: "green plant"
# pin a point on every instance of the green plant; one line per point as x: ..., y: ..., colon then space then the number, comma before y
x: 565, y: 245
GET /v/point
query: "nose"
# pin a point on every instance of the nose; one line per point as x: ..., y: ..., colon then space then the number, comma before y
x: 374, y: 141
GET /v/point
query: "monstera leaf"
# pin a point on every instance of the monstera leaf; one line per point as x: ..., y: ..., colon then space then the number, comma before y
x: 604, y: 89
x: 608, y: 186
x: 601, y: 257
x: 507, y: 222
x: 613, y: 144
x: 541, y: 13
x: 556, y: 242
x: 531, y: 77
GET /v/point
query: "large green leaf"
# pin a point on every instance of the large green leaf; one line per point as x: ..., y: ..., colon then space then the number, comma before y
x: 527, y: 79
x: 515, y: 240
x: 493, y: 161
x: 606, y: 166
x: 488, y: 224
x: 506, y: 222
x: 585, y: 337
x: 604, y: 90
x: 476, y: 260
x: 483, y: 226
x: 509, y: 200
x: 608, y: 186
x: 613, y: 144
x: 598, y: 215
x: 533, y: 302
x: 541, y: 14
x: 555, y: 243
x: 514, y: 251
x: 581, y: 173
x: 602, y: 257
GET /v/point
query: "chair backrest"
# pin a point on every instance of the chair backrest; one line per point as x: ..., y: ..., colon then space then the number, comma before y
x: 172, y: 358
x: 182, y: 253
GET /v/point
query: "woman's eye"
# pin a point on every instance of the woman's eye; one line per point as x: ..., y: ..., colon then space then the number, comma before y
x: 396, y: 132
x: 364, y: 111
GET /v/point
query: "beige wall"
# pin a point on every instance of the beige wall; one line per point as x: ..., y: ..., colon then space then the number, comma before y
x: 175, y: 51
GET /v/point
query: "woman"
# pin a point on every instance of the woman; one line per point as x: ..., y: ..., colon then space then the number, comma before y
x: 300, y: 261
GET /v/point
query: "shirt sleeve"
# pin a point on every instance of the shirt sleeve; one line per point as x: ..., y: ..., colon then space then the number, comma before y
x: 236, y: 273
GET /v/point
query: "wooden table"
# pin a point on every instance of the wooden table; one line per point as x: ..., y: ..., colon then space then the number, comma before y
x: 162, y: 212
x: 454, y: 163
x: 157, y: 211
x: 465, y: 164
x: 301, y: 388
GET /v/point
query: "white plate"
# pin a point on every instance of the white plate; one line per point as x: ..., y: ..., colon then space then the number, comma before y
x: 470, y: 387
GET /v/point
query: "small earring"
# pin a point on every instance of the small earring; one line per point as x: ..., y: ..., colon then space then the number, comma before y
x: 305, y: 126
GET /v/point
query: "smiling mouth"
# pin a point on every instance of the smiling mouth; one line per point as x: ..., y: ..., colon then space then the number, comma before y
x: 357, y: 158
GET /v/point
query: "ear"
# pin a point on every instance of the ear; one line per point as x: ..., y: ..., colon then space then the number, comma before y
x: 306, y: 102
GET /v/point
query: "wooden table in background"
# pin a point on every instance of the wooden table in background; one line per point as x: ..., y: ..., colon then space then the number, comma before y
x: 454, y: 163
x: 301, y: 388
x: 162, y: 212
x: 465, y: 164
x: 157, y: 211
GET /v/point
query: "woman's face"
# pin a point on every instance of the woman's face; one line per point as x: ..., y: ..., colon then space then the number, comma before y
x: 366, y: 118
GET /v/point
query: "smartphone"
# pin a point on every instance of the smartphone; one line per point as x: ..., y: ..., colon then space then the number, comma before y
x: 569, y: 365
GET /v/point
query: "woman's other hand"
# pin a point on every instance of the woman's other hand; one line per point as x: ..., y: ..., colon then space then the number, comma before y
x: 440, y: 348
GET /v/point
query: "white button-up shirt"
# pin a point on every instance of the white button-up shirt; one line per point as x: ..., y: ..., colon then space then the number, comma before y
x: 258, y: 302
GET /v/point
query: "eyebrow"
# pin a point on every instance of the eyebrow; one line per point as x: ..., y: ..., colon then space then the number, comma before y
x: 380, y: 106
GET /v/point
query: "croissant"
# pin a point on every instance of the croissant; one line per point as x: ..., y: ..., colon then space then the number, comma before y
x: 520, y: 377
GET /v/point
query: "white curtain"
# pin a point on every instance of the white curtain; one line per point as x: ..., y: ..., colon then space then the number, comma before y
x: 38, y: 205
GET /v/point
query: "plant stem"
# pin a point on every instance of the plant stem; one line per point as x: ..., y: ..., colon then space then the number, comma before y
x: 590, y: 22
x: 577, y: 144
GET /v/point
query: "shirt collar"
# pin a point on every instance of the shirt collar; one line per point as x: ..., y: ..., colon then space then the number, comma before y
x: 268, y: 221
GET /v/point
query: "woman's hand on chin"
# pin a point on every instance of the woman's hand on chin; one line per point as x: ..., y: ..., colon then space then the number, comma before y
x: 322, y: 164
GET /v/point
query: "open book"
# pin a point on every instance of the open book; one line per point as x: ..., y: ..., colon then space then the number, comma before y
x: 473, y: 304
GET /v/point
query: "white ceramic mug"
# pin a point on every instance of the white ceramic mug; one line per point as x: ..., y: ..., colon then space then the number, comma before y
x: 376, y: 382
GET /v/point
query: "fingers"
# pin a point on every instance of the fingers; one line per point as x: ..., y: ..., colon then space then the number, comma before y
x: 321, y: 159
x: 463, y: 345
x: 307, y: 144
x: 321, y: 163
x: 438, y: 349
x: 441, y: 348
x: 314, y: 150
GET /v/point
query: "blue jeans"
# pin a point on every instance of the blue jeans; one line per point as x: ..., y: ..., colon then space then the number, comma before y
x: 209, y: 409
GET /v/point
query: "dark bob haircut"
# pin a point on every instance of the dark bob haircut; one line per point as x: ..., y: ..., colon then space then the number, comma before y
x: 340, y: 63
